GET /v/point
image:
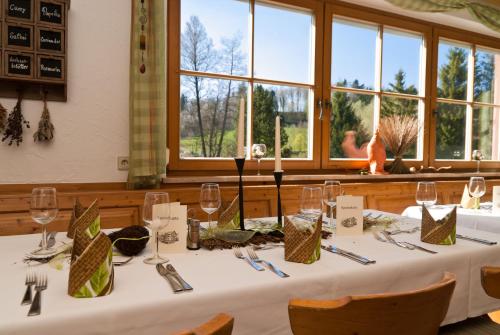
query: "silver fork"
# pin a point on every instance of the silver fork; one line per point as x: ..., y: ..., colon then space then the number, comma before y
x: 239, y: 254
x: 30, y: 281
x: 381, y: 239
x: 36, y: 306
x: 255, y: 258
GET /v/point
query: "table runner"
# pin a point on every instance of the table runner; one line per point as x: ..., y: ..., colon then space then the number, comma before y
x: 143, y: 303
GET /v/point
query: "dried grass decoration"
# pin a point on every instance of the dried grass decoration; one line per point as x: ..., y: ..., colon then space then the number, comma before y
x: 14, y: 131
x: 45, y: 132
x: 3, y: 118
x: 399, y: 132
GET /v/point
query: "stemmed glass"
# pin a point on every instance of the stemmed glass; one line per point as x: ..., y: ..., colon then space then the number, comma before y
x: 477, y: 188
x: 331, y: 190
x: 156, y: 217
x: 210, y: 200
x: 477, y: 155
x: 311, y: 203
x: 258, y: 151
x: 426, y: 193
x: 43, y: 209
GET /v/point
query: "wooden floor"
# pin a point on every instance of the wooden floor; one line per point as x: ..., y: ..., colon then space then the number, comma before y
x: 481, y: 325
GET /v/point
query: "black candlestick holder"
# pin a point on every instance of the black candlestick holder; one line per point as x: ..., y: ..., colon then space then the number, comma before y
x: 278, y: 178
x: 240, y: 163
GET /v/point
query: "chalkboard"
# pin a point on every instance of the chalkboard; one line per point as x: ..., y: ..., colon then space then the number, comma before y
x: 51, y: 40
x: 51, y: 12
x: 18, y: 36
x: 19, y: 9
x: 19, y: 65
x: 49, y: 67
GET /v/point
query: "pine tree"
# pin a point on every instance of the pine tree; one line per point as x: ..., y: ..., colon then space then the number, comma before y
x: 265, y: 107
x: 392, y: 106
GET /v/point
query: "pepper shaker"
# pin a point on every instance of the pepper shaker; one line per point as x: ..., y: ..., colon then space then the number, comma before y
x: 193, y: 236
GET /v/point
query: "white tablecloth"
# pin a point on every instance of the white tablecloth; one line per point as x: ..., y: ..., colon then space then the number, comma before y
x: 480, y: 219
x: 143, y: 303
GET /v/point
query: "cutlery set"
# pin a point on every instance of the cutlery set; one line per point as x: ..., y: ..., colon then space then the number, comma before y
x: 40, y: 284
x: 177, y: 283
x: 405, y: 245
x: 253, y: 261
x: 357, y: 258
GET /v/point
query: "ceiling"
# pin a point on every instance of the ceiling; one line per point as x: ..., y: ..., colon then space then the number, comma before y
x: 459, y: 19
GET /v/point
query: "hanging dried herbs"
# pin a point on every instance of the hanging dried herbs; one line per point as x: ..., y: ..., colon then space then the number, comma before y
x: 3, y: 118
x: 15, y: 122
x: 45, y: 132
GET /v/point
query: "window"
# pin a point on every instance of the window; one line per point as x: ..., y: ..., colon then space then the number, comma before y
x: 261, y: 52
x: 468, y: 101
x: 377, y: 71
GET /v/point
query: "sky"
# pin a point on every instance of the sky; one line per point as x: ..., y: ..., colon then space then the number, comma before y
x: 283, y: 42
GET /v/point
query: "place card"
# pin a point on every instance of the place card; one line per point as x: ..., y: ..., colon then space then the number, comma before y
x: 173, y: 236
x: 349, y: 215
x: 496, y: 200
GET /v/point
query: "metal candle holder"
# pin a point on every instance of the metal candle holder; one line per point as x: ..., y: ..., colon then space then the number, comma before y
x: 240, y: 163
x: 278, y: 177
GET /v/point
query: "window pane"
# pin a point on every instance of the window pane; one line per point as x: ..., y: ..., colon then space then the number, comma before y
x: 283, y: 44
x: 209, y: 116
x: 450, y: 131
x: 485, y: 131
x: 292, y: 104
x: 401, y: 62
x: 400, y: 106
x: 487, y: 77
x: 353, y: 54
x: 351, y: 125
x: 215, y: 36
x: 452, y: 65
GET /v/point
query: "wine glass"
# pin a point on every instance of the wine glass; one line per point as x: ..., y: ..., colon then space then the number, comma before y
x: 210, y: 200
x: 426, y: 193
x: 477, y: 188
x: 331, y: 190
x: 258, y: 151
x: 311, y: 202
x: 477, y: 155
x: 156, y: 218
x: 43, y: 209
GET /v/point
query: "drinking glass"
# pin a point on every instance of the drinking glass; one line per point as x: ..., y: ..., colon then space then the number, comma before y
x: 258, y: 151
x: 426, y: 193
x: 156, y: 220
x: 477, y: 188
x: 311, y: 202
x: 477, y: 155
x: 331, y: 190
x: 43, y: 209
x: 210, y: 200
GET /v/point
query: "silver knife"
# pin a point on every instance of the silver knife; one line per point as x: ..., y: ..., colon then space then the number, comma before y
x: 420, y: 248
x: 176, y: 286
x: 475, y: 239
x: 171, y: 270
x: 350, y: 255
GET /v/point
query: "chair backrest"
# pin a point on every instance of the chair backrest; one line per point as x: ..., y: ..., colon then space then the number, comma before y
x: 490, y: 279
x: 417, y: 312
x: 221, y: 324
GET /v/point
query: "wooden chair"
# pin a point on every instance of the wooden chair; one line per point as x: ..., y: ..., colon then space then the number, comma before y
x: 417, y: 312
x: 221, y: 324
x: 490, y: 279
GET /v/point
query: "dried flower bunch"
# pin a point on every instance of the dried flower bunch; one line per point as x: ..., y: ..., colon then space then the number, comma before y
x: 3, y: 118
x: 399, y: 133
x: 15, y: 122
x: 45, y: 132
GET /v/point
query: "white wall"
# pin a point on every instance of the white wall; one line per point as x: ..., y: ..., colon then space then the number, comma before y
x: 92, y: 126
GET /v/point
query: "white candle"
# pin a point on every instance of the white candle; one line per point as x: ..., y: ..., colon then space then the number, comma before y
x: 277, y: 146
x: 241, y: 130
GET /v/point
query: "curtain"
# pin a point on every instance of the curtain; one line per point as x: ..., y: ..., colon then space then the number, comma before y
x: 487, y: 15
x: 147, y: 105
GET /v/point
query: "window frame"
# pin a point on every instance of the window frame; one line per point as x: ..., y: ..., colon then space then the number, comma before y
x: 473, y: 40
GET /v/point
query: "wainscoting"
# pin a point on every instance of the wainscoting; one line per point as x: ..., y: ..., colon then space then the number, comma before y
x: 121, y: 207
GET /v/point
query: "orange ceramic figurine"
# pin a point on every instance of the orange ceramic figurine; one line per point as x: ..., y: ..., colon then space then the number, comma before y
x: 376, y: 154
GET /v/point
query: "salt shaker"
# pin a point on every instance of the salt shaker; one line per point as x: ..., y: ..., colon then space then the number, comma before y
x: 193, y: 236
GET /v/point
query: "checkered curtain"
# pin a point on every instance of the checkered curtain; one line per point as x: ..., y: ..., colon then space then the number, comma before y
x: 487, y: 15
x: 147, y: 106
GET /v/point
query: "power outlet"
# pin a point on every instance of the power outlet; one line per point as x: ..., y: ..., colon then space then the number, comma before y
x: 122, y: 163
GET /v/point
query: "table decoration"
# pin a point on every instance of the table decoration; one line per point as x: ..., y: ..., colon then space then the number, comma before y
x: 240, y: 163
x: 77, y: 211
x: 302, y: 240
x: 370, y: 221
x: 376, y: 154
x: 131, y: 240
x: 230, y: 217
x: 89, y: 220
x: 278, y: 178
x: 467, y: 201
x: 441, y: 231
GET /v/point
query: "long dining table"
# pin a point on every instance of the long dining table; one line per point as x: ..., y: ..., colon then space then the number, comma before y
x: 142, y: 302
